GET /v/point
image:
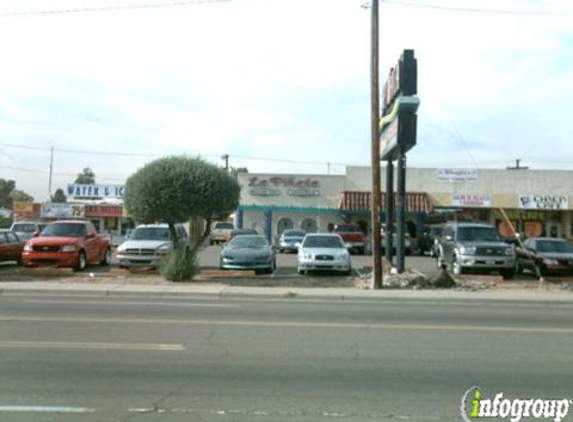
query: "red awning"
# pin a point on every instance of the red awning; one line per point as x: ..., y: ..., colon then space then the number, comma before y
x: 360, y: 201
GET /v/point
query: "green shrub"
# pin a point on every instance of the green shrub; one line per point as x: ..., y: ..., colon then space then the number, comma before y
x: 180, y: 265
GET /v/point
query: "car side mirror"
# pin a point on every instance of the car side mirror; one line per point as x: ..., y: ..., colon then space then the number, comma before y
x: 91, y: 235
x: 449, y: 238
x: 36, y: 233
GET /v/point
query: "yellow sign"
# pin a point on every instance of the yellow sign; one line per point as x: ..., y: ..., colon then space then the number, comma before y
x: 23, y: 207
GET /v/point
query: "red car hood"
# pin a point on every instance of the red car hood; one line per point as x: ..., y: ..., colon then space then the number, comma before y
x: 53, y: 241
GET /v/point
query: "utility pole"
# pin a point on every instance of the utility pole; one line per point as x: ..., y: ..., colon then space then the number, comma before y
x: 375, y: 131
x: 51, y: 170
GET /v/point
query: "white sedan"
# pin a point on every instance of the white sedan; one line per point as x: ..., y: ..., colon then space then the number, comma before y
x: 323, y: 252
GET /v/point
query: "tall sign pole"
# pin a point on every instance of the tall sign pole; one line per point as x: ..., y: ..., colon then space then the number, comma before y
x: 397, y: 136
x: 375, y: 115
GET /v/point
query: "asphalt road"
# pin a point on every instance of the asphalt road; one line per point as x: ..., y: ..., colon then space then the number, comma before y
x: 85, y: 357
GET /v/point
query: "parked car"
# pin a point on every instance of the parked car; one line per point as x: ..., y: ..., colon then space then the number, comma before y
x: 220, y: 232
x: 25, y: 229
x: 475, y: 247
x: 240, y: 232
x: 68, y: 243
x: 149, y: 244
x: 430, y: 238
x: 11, y: 247
x: 290, y: 240
x: 352, y: 236
x: 545, y: 256
x: 323, y: 252
x: 407, y: 240
x: 248, y: 252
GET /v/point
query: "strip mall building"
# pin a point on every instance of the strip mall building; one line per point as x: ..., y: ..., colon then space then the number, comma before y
x: 538, y: 202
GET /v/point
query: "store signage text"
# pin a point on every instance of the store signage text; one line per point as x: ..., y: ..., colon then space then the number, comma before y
x: 272, y: 187
x: 104, y: 211
x: 543, y: 202
x: 471, y: 200
x: 96, y: 191
x: 286, y: 182
x: 457, y: 175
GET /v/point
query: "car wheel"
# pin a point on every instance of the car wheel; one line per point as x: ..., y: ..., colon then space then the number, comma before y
x: 507, y: 274
x: 300, y: 271
x: 107, y: 257
x: 81, y: 264
x: 456, y: 267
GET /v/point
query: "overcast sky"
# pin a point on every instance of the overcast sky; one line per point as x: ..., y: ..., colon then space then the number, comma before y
x: 276, y: 80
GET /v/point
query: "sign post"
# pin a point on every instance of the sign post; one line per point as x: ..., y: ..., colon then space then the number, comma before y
x: 397, y: 137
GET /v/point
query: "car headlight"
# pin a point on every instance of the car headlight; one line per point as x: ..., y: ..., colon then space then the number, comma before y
x: 344, y: 255
x: 306, y: 256
x: 468, y: 250
x: 163, y: 250
x: 28, y: 248
x: 68, y: 248
x: 510, y: 251
x: 549, y: 261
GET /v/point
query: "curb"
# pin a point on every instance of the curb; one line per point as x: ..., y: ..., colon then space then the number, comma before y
x: 221, y: 291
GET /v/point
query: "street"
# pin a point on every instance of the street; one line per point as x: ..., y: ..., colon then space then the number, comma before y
x: 88, y: 357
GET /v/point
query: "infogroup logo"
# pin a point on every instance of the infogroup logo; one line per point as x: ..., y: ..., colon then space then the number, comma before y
x: 475, y: 407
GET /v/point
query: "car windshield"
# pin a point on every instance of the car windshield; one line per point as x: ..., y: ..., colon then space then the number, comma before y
x: 478, y: 234
x: 294, y: 233
x: 558, y: 246
x: 322, y: 242
x: 347, y: 228
x: 65, y: 229
x: 26, y: 228
x: 150, y: 233
x: 249, y: 242
x: 225, y: 226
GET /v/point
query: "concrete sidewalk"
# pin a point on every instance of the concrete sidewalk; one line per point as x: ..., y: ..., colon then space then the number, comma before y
x: 544, y: 294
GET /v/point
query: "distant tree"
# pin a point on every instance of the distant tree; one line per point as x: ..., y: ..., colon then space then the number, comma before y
x: 19, y: 195
x: 59, y: 197
x: 86, y: 177
x: 175, y: 189
x: 6, y: 188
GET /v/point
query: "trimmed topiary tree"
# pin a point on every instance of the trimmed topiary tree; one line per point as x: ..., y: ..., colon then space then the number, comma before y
x: 176, y: 189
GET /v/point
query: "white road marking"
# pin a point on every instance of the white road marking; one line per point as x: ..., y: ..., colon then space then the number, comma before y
x: 90, y: 346
x: 296, y: 324
x: 46, y: 409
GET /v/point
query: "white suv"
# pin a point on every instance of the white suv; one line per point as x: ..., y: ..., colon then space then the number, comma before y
x: 148, y: 245
x: 220, y: 231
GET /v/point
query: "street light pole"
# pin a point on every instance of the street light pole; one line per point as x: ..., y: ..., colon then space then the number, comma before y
x: 375, y: 131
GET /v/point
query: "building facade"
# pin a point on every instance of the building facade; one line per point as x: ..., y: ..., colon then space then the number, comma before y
x: 537, y: 202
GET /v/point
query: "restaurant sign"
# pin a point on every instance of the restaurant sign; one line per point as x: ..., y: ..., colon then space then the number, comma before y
x: 96, y: 191
x: 274, y: 186
x: 62, y: 211
x: 543, y: 202
x: 471, y: 200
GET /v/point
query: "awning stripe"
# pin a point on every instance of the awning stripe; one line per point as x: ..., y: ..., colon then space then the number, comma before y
x: 360, y: 201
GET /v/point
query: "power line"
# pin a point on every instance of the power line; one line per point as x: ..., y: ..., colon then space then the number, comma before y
x: 477, y: 10
x: 113, y: 8
x: 29, y: 170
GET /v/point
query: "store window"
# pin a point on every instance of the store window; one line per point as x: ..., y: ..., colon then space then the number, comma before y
x: 309, y: 225
x: 284, y: 224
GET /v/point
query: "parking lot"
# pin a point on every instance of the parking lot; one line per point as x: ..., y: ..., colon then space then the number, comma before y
x: 285, y: 275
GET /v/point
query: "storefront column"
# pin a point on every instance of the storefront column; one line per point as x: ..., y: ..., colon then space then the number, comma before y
x: 268, y: 225
x: 239, y: 217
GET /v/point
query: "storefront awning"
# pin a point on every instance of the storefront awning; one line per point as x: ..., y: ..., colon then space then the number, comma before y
x: 360, y: 201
